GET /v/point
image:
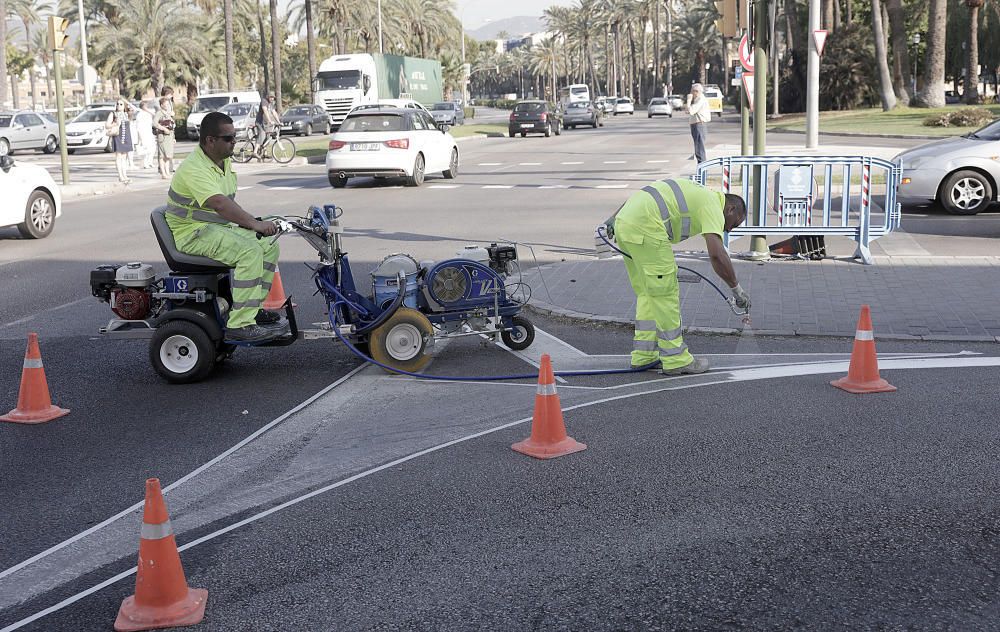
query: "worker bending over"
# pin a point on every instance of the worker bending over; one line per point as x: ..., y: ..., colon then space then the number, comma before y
x: 645, y: 228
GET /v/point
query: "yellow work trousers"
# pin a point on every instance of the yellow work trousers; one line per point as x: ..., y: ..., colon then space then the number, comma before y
x: 653, y: 274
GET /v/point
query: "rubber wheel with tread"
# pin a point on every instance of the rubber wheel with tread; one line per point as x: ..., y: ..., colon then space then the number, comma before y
x: 558, y: 130
x: 548, y: 130
x: 521, y: 337
x: 39, y: 216
x: 418, y: 172
x: 244, y: 151
x: 965, y: 192
x: 4, y: 147
x: 283, y: 150
x: 452, y: 169
x: 51, y: 145
x: 309, y: 130
x: 401, y: 341
x: 336, y: 181
x: 181, y: 352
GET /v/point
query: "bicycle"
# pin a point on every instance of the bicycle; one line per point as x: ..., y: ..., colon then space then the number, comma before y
x: 281, y: 149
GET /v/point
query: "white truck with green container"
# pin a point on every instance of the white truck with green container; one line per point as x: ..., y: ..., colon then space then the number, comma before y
x: 346, y: 81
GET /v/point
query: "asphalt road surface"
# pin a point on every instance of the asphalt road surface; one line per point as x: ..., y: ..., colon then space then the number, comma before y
x: 756, y: 496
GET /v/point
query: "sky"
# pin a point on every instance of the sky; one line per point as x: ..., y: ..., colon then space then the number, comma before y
x: 476, y: 13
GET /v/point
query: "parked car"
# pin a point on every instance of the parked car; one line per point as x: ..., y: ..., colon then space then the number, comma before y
x: 714, y: 96
x: 534, y: 117
x: 25, y: 129
x: 409, y: 104
x: 303, y: 120
x: 449, y: 113
x: 390, y: 142
x: 624, y: 105
x: 86, y: 130
x: 582, y: 113
x: 659, y: 106
x: 31, y: 199
x: 961, y: 173
x: 244, y: 115
x: 676, y: 101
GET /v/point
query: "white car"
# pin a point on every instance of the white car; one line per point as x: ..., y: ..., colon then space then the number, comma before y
x: 409, y: 104
x: 244, y: 117
x: 86, y: 131
x: 390, y: 142
x: 31, y: 199
x: 624, y: 106
x: 659, y: 106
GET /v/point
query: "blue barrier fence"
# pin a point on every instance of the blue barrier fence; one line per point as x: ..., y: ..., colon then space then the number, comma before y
x: 803, y: 203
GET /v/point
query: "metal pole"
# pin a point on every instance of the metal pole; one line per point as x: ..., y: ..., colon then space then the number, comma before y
x: 61, y: 117
x: 83, y: 52
x: 758, y: 243
x: 812, y: 79
x: 380, y: 31
x: 744, y: 120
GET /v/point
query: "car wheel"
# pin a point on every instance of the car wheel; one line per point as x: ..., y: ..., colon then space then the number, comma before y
x: 524, y: 134
x: 309, y: 130
x: 51, y: 145
x: 965, y: 193
x: 511, y: 134
x: 4, y: 147
x: 452, y: 169
x: 70, y: 151
x: 418, y: 172
x: 649, y: 116
x: 548, y: 130
x: 39, y: 216
x: 326, y: 130
x: 337, y: 182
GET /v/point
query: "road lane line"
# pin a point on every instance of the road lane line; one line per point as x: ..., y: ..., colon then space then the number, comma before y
x: 183, y: 479
x: 611, y: 186
x: 730, y: 377
x: 554, y: 186
x: 529, y: 164
x: 656, y: 161
x: 575, y: 162
x: 244, y: 188
x: 489, y: 164
x: 614, y: 162
x: 443, y: 186
x: 284, y: 188
x: 498, y: 186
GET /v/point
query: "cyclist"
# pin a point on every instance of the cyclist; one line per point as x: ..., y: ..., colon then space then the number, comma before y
x: 267, y: 123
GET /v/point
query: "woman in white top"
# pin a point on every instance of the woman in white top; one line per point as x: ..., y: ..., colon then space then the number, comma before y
x: 698, y: 108
x: 146, y: 141
x: 119, y: 128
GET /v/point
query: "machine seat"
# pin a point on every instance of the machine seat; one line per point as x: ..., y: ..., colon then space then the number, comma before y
x: 177, y: 260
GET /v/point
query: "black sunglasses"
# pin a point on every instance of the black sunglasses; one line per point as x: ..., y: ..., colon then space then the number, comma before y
x: 229, y: 138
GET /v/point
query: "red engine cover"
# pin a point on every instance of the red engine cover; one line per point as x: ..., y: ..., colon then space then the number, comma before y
x: 130, y: 303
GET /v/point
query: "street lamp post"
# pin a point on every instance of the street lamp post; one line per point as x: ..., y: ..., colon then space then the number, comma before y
x: 379, y: 26
x: 916, y: 52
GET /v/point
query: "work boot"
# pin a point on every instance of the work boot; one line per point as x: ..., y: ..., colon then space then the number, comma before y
x: 267, y: 317
x: 698, y: 365
x: 251, y: 333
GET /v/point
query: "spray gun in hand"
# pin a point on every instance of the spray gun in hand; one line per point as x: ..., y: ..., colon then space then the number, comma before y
x: 740, y: 303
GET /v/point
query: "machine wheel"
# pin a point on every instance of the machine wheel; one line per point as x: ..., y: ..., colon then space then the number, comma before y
x: 244, y: 151
x: 401, y: 341
x: 51, y: 145
x: 39, y: 216
x: 452, y: 169
x: 418, y: 172
x: 965, y: 193
x: 181, y: 352
x: 521, y: 336
x: 336, y: 181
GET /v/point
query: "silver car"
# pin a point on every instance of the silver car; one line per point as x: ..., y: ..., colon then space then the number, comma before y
x: 960, y: 173
x: 448, y: 113
x: 659, y: 107
x: 27, y: 130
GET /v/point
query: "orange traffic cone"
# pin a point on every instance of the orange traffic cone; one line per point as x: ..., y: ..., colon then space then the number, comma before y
x: 34, y: 405
x: 162, y: 598
x: 548, y: 432
x: 862, y: 375
x: 276, y: 295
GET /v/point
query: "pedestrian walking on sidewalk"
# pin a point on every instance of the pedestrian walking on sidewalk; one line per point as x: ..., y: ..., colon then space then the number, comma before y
x: 119, y: 128
x: 700, y: 115
x: 146, y: 140
x: 163, y: 126
x: 645, y: 228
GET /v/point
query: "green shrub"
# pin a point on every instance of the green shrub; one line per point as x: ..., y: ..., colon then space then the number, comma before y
x: 963, y: 117
x: 470, y: 113
x: 180, y: 120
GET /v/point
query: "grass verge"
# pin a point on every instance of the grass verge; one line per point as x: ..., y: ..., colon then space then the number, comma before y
x: 903, y: 121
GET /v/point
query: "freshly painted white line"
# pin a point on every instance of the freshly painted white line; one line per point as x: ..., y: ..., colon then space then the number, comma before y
x: 443, y: 186
x: 529, y: 164
x: 614, y: 162
x: 183, y: 479
x: 611, y: 186
x: 244, y: 188
x: 499, y: 186
x: 575, y: 162
x: 653, y: 162
x: 554, y: 186
x: 727, y: 378
x: 489, y: 164
x: 284, y: 188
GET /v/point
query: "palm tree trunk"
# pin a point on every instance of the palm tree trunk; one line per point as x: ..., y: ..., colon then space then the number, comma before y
x: 263, y: 49
x: 885, y: 78
x: 311, y: 47
x: 632, y: 60
x: 227, y: 16
x: 670, y: 46
x: 932, y: 95
x: 3, y: 53
x: 972, y: 67
x: 901, y: 77
x: 31, y: 70
x: 276, y: 52
x: 657, y: 70
x: 645, y: 58
x: 849, y: 13
x: 827, y: 7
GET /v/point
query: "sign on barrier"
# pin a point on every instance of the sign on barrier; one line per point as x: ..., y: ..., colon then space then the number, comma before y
x: 805, y: 204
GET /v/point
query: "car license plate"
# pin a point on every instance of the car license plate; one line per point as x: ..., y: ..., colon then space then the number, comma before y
x: 364, y: 146
x: 72, y: 141
x: 286, y: 128
x: 525, y: 125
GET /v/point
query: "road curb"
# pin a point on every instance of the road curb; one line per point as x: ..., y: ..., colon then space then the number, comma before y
x: 858, y: 135
x: 547, y: 309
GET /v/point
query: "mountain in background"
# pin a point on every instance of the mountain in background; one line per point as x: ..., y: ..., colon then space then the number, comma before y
x: 515, y: 26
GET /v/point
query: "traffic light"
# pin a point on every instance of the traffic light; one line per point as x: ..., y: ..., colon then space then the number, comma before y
x: 57, y: 32
x: 728, y: 19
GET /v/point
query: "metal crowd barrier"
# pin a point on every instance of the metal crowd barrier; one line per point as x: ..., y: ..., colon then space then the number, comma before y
x: 805, y: 205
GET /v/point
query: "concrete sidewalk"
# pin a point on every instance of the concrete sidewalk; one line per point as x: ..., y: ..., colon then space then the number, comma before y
x: 912, y: 298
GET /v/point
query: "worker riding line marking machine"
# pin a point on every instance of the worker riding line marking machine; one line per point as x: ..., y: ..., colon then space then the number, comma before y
x: 183, y: 314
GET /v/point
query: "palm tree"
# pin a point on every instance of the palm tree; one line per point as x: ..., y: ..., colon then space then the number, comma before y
x: 544, y: 61
x: 299, y: 14
x: 27, y: 11
x: 972, y: 68
x: 885, y: 78
x: 694, y: 36
x: 40, y: 40
x: 932, y: 96
x: 3, y: 52
x: 900, y: 55
x: 275, y: 51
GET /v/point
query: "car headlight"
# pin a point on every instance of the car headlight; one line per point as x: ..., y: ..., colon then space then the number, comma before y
x: 97, y: 132
x: 914, y: 163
